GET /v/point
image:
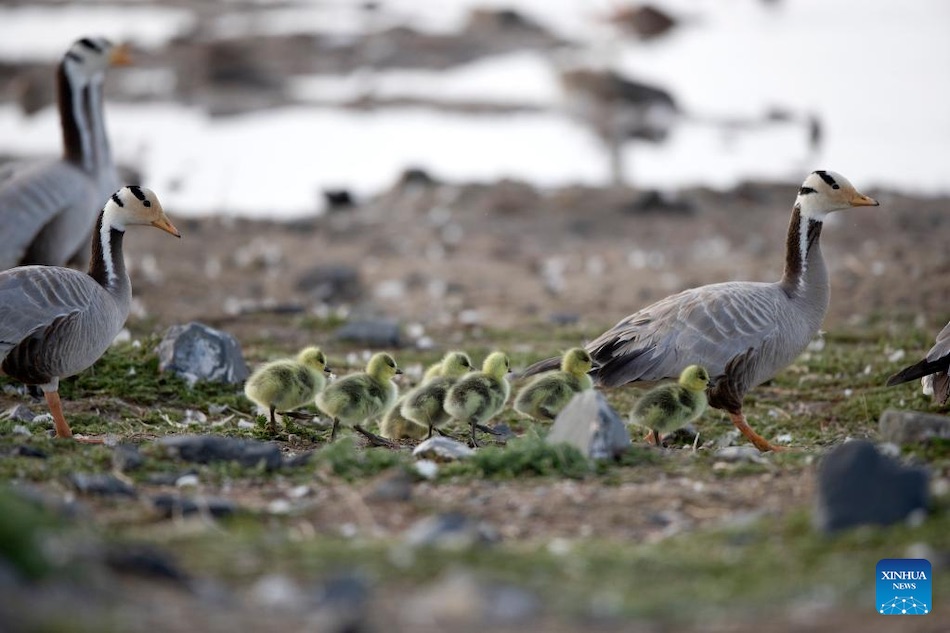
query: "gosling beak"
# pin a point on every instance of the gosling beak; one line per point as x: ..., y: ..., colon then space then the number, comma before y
x: 327, y: 369
x: 861, y: 200
x: 121, y: 55
x: 398, y: 371
x: 165, y: 224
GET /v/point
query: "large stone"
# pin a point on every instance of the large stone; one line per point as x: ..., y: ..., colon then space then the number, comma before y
x: 912, y: 427
x: 102, y: 484
x: 333, y: 283
x: 592, y: 425
x: 195, y: 352
x: 450, y: 530
x: 373, y: 333
x: 204, y: 449
x: 857, y: 485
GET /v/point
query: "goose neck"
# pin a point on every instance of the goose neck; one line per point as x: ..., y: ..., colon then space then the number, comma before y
x: 804, y: 265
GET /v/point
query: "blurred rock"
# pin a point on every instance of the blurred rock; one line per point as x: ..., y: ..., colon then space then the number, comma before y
x: 644, y: 21
x: 740, y: 454
x: 654, y: 201
x: 442, y: 449
x: 144, y: 560
x: 19, y: 413
x: 101, y: 484
x: 372, y: 333
x: 331, y: 283
x: 197, y: 352
x: 592, y: 425
x: 338, y: 199
x: 859, y: 486
x: 392, y: 486
x: 204, y: 449
x: 168, y: 506
x: 450, y: 530
x: 912, y: 427
x: 459, y: 598
x: 25, y: 450
x: 126, y: 457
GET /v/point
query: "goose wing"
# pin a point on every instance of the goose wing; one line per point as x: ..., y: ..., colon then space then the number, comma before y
x: 937, y: 360
x: 706, y: 326
x: 40, y: 301
x: 33, y: 195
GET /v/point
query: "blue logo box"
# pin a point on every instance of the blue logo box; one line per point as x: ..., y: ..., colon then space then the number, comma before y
x: 904, y: 586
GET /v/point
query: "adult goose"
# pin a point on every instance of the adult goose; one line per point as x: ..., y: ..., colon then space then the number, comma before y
x: 742, y: 332
x: 56, y: 322
x: 932, y: 369
x: 47, y: 208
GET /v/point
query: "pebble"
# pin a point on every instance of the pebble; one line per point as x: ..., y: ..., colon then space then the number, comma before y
x: 204, y: 449
x: 912, y: 427
x: 857, y: 485
x: 196, y: 351
x: 19, y: 413
x: 102, y: 484
x: 393, y: 486
x: 168, y: 506
x: 592, y: 425
x: 739, y: 454
x: 450, y: 530
x: 126, y: 457
x: 442, y: 449
x: 372, y: 333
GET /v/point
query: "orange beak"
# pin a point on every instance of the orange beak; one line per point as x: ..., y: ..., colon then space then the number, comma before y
x: 165, y: 224
x: 120, y: 55
x: 861, y: 200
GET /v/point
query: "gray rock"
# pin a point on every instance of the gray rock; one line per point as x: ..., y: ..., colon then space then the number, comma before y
x: 372, y: 333
x: 392, y: 486
x: 335, y: 283
x: 747, y: 454
x: 168, y: 479
x: 859, y: 486
x: 450, y: 530
x: 126, y: 457
x: 204, y: 449
x: 101, y: 484
x: 168, y: 506
x: 19, y: 413
x: 25, y: 450
x: 459, y: 598
x: 442, y: 449
x: 144, y: 560
x: 592, y: 425
x: 912, y: 427
x: 197, y: 352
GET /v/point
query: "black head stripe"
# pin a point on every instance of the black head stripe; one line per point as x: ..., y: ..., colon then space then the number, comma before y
x: 804, y: 191
x: 137, y: 192
x: 116, y: 199
x: 76, y: 57
x: 90, y: 44
x: 828, y: 179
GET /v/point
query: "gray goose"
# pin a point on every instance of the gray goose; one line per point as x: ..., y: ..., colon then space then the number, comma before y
x: 56, y: 322
x: 932, y: 369
x: 47, y: 208
x: 742, y: 332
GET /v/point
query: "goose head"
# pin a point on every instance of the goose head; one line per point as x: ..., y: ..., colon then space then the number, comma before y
x: 135, y: 205
x: 496, y: 364
x: 382, y: 367
x: 314, y: 358
x: 456, y: 364
x: 577, y: 361
x: 89, y: 57
x: 827, y: 191
x: 694, y: 378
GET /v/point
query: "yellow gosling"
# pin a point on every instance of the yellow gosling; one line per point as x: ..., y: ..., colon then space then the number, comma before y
x: 672, y: 406
x: 424, y: 404
x: 362, y: 396
x: 478, y: 396
x: 288, y: 383
x: 545, y: 396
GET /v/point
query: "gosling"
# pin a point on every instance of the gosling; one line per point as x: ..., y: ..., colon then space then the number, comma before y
x: 672, y: 406
x: 362, y: 396
x: 545, y: 396
x: 395, y: 426
x: 424, y: 405
x: 287, y: 384
x: 478, y: 396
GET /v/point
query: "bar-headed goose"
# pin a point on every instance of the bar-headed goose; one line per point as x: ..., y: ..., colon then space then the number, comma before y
x: 545, y: 396
x: 672, y: 406
x: 932, y: 370
x: 287, y: 383
x: 56, y: 322
x: 362, y: 396
x: 479, y: 395
x: 48, y: 208
x: 742, y: 332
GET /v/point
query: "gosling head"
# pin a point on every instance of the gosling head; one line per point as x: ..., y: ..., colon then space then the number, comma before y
x: 135, y: 205
x: 382, y: 367
x: 496, y: 364
x: 89, y: 57
x: 694, y: 378
x: 456, y: 364
x: 577, y: 361
x: 314, y: 358
x: 827, y: 191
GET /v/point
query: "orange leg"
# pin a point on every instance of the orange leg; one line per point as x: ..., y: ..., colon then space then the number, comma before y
x: 652, y: 438
x: 757, y: 440
x: 56, y: 409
